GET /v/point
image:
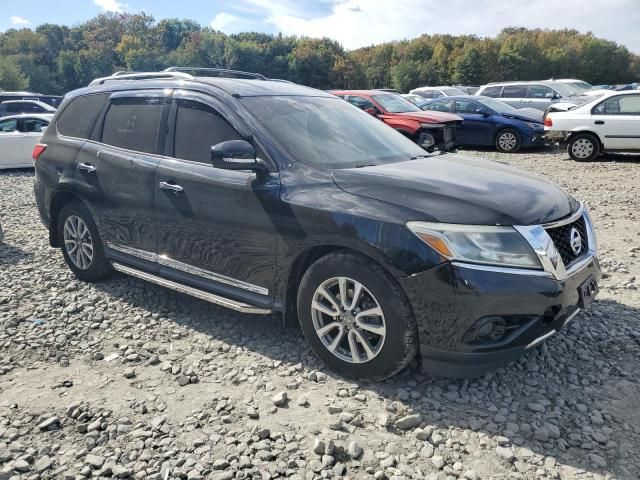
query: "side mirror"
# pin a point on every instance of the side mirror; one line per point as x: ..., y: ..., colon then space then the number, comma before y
x: 483, y: 112
x: 235, y: 155
x: 371, y: 111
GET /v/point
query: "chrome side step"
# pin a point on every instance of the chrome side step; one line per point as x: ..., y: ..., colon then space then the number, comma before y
x: 194, y: 292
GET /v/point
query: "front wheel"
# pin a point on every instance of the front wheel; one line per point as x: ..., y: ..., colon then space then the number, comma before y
x: 508, y: 141
x: 583, y: 147
x: 356, y: 317
x: 81, y: 244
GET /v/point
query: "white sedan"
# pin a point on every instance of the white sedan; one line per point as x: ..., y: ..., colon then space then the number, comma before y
x: 18, y: 135
x: 608, y: 123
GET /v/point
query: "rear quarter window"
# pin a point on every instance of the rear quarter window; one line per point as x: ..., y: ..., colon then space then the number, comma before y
x: 79, y: 117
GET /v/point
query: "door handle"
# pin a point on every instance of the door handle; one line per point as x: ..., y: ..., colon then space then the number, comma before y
x: 171, y: 187
x: 86, y: 167
x: 599, y: 122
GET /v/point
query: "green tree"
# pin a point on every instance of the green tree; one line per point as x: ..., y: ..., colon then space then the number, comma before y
x: 11, y: 77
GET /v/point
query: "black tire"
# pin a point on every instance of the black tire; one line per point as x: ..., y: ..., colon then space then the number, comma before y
x: 99, y: 267
x: 508, y: 141
x: 583, y: 147
x: 400, y: 343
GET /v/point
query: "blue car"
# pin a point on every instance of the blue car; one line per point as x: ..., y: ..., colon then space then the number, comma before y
x: 491, y: 122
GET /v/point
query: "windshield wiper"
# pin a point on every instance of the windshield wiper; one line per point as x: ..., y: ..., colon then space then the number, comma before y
x: 416, y: 157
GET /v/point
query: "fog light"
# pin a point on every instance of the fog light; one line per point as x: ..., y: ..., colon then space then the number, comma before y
x: 486, y: 330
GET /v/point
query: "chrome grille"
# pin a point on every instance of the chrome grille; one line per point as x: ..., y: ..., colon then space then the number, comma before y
x: 561, y: 238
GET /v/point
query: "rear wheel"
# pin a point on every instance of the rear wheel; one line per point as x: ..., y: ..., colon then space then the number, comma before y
x: 356, y: 318
x: 583, y: 147
x: 508, y: 141
x: 81, y: 244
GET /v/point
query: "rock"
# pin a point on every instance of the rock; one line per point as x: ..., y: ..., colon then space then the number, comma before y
x: 20, y: 466
x: 318, y: 446
x: 120, y: 471
x: 438, y: 461
x: 505, y: 453
x: 470, y: 475
x: 220, y: 464
x: 223, y: 476
x: 354, y: 450
x: 94, y: 461
x: 183, y: 380
x: 280, y: 399
x: 51, y: 423
x: 409, y: 421
x: 42, y: 464
x: 129, y: 373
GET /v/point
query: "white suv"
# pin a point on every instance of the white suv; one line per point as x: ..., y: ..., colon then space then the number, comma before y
x: 610, y: 122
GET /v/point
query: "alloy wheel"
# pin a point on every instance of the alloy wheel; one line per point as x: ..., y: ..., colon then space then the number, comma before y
x: 582, y: 148
x: 348, y: 320
x: 78, y: 242
x: 507, y: 141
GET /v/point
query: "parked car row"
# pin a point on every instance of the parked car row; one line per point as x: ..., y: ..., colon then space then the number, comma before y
x: 269, y: 197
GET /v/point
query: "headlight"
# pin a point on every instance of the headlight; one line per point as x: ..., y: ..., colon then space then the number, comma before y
x: 534, y: 126
x: 502, y: 246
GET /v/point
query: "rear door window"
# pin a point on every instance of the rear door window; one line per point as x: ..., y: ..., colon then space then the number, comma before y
x: 620, y: 105
x: 198, y: 128
x: 466, y: 107
x: 515, y: 91
x: 494, y: 92
x: 132, y: 123
x: 79, y: 117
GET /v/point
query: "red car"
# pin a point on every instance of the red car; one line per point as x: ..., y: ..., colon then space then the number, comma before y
x: 431, y: 130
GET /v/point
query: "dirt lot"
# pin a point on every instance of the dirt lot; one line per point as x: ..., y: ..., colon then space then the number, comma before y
x: 126, y: 379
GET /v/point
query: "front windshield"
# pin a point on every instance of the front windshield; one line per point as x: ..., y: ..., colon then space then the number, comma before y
x: 394, y: 103
x: 496, y: 105
x: 584, y: 86
x: 329, y: 132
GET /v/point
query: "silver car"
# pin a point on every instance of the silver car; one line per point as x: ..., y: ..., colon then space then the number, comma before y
x: 537, y: 94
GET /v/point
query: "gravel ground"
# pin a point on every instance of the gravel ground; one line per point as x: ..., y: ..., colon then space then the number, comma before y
x: 126, y: 379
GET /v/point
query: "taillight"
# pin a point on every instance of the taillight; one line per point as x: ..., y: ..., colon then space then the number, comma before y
x: 548, y: 122
x: 38, y: 150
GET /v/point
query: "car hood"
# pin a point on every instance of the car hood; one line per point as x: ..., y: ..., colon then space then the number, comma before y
x: 426, y: 117
x: 453, y: 188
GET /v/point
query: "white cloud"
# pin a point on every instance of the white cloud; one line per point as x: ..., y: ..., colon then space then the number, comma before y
x: 357, y: 23
x: 223, y: 20
x: 111, y: 5
x: 15, y: 20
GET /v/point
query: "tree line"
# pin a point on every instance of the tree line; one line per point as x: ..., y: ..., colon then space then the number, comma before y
x: 54, y: 59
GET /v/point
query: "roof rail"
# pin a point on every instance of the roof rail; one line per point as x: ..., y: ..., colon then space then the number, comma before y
x: 140, y: 76
x: 216, y: 72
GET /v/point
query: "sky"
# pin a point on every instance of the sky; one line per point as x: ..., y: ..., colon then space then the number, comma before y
x: 354, y: 23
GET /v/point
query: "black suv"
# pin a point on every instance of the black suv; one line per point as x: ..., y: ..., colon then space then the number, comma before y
x: 266, y: 196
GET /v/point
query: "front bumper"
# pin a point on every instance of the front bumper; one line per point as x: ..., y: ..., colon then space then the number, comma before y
x: 449, y: 301
x: 473, y: 318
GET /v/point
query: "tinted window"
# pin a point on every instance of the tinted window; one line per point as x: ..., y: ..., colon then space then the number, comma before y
x: 10, y: 125
x: 437, y: 94
x: 34, y: 125
x: 492, y: 92
x: 360, y: 102
x: 439, y: 106
x: 514, y: 91
x: 198, y: 128
x: 79, y: 117
x: 621, y: 105
x: 425, y: 93
x: 541, y: 91
x: 133, y: 123
x: 465, y: 106
x: 452, y: 92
